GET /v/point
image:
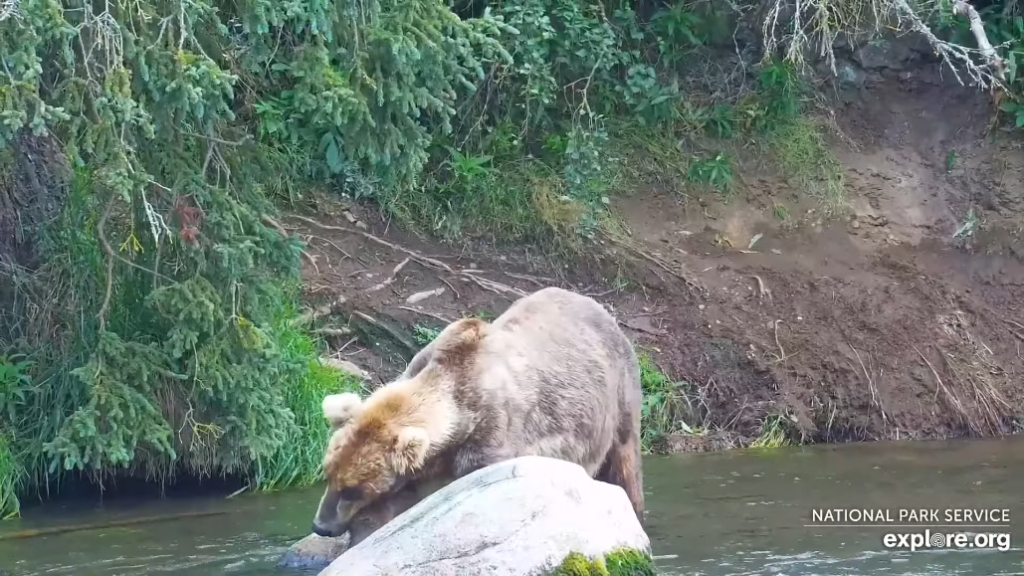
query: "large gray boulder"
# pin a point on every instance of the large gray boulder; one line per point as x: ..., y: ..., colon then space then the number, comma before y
x: 520, y: 517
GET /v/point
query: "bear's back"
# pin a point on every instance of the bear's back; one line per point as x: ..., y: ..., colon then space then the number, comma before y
x: 557, y: 374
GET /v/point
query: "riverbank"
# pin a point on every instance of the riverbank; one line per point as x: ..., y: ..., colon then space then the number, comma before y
x: 895, y: 320
x: 804, y: 255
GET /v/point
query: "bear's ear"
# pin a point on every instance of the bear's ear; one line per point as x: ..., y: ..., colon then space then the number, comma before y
x: 411, y: 445
x: 458, y: 343
x: 340, y: 408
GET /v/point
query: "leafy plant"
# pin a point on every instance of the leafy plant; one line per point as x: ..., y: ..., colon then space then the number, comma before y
x: 425, y: 334
x: 678, y: 26
x: 715, y: 172
x: 665, y: 406
x: 15, y: 383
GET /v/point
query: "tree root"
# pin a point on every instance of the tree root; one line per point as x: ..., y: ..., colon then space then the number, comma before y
x: 395, y: 335
x: 391, y: 279
x: 311, y: 316
x: 426, y: 261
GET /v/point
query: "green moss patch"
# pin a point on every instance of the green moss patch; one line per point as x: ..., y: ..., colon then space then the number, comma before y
x: 619, y: 562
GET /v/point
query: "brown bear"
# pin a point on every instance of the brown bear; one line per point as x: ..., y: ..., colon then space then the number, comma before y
x: 553, y: 376
x: 378, y: 513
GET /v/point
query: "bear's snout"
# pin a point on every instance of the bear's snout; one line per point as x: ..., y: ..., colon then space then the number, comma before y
x: 323, y: 532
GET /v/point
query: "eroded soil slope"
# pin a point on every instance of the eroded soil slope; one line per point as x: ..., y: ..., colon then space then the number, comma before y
x: 877, y: 325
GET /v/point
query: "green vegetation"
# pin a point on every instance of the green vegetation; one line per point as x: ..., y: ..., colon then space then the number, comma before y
x: 424, y: 334
x: 158, y: 331
x: 776, y: 432
x: 298, y: 462
x: 619, y: 562
x: 803, y: 156
x: 666, y: 406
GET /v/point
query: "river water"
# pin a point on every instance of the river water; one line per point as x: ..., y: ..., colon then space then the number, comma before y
x: 734, y: 513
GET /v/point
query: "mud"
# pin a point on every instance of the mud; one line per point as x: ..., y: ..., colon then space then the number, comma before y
x: 879, y: 325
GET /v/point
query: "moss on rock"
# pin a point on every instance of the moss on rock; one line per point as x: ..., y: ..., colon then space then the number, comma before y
x: 618, y: 562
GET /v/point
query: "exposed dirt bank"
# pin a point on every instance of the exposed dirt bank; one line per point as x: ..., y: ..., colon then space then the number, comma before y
x: 881, y: 325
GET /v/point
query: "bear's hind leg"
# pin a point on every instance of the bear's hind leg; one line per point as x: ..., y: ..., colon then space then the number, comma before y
x: 622, y: 467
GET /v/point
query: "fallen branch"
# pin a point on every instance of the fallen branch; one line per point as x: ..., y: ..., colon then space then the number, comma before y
x: 429, y: 262
x: 427, y: 314
x: 325, y: 310
x: 284, y: 233
x: 538, y: 280
x: 984, y: 46
x: 390, y: 279
x: 420, y: 296
x: 491, y: 285
x: 311, y: 261
x: 449, y: 284
x: 336, y: 247
x: 274, y: 224
x: 335, y: 332
x: 827, y: 20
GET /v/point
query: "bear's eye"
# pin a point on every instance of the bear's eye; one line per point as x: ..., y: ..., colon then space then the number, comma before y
x: 352, y: 493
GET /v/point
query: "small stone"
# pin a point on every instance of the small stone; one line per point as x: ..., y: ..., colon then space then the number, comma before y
x: 313, y: 552
x: 345, y: 366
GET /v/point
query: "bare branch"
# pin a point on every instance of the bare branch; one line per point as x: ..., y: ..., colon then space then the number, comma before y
x: 824, y: 20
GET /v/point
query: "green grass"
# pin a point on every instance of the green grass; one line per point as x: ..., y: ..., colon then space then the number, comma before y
x: 15, y: 383
x: 805, y: 159
x: 665, y: 407
x: 299, y: 463
x: 424, y: 334
x: 11, y: 474
x: 775, y: 433
x: 498, y: 199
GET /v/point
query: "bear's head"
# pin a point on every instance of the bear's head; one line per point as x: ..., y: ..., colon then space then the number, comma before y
x: 372, y: 453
